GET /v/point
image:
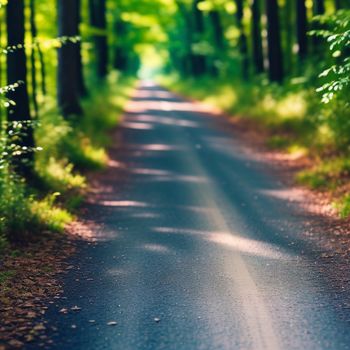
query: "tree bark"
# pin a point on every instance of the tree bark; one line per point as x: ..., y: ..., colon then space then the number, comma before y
x: 289, y: 29
x: 301, y: 29
x: 68, y: 58
x: 98, y: 19
x: 257, y: 38
x: 275, y: 56
x: 318, y: 7
x: 199, y: 60
x: 120, y: 60
x: 219, y: 45
x: 81, y: 81
x: 17, y: 72
x: 34, y: 43
x: 243, y: 44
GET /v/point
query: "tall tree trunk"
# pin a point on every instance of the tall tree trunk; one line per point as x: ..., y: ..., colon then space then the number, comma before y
x: 42, y: 70
x: 217, y: 28
x: 317, y: 42
x: 36, y: 48
x: 218, y: 32
x: 318, y: 7
x: 301, y: 29
x: 257, y: 38
x: 68, y: 70
x: 274, y: 42
x: 33, y: 31
x: 188, y: 60
x: 289, y: 25
x: 81, y: 81
x: 120, y: 60
x: 1, y: 67
x: 98, y: 19
x: 243, y: 44
x: 17, y: 72
x: 199, y: 67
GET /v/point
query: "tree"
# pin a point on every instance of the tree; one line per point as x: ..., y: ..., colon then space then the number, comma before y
x: 68, y: 58
x: 301, y: 29
x: 188, y: 62
x: 199, y: 61
x: 36, y: 48
x: 121, y: 49
x: 17, y: 74
x: 318, y: 7
x: 289, y: 38
x: 258, y: 55
x: 33, y: 31
x: 82, y: 90
x: 218, y: 39
x: 243, y: 45
x: 275, y: 56
x: 98, y: 20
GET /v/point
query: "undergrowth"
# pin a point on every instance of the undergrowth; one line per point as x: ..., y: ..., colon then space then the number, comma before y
x: 66, y: 154
x: 294, y: 119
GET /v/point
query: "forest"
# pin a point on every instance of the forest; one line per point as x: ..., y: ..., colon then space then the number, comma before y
x: 72, y: 155
x: 285, y: 64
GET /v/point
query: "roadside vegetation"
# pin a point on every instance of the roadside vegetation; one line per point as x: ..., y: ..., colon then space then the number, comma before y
x: 302, y: 101
x: 54, y: 124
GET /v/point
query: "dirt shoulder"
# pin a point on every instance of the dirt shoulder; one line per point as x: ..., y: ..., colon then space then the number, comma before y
x: 29, y: 280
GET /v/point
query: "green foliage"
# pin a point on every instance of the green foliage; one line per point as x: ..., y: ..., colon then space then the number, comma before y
x: 336, y: 78
x: 49, y: 215
x: 294, y: 117
x: 327, y: 174
x: 344, y: 206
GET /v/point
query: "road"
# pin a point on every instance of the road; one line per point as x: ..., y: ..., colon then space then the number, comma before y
x: 198, y: 248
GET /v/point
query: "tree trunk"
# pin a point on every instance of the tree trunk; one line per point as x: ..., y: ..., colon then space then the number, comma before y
x: 199, y: 61
x: 243, y: 45
x: 217, y: 28
x: 218, y: 32
x: 188, y: 59
x: 317, y: 42
x: 17, y: 72
x: 68, y: 58
x: 274, y: 42
x: 289, y: 28
x: 318, y: 8
x: 1, y: 67
x: 99, y: 21
x: 36, y: 48
x: 81, y: 81
x: 33, y: 31
x: 301, y: 29
x: 257, y: 38
x: 120, y: 60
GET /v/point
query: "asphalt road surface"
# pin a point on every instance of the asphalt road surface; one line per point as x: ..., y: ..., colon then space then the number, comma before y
x: 199, y: 247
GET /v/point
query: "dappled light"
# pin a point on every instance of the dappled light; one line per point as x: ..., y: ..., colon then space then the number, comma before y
x: 156, y: 248
x: 174, y: 174
x: 123, y: 204
x: 137, y: 126
x: 166, y: 120
x: 247, y: 246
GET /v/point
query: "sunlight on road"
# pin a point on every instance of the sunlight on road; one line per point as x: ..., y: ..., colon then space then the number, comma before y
x: 232, y: 241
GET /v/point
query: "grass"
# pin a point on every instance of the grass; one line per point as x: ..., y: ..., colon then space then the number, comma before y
x: 294, y: 119
x: 328, y: 174
x: 344, y: 206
